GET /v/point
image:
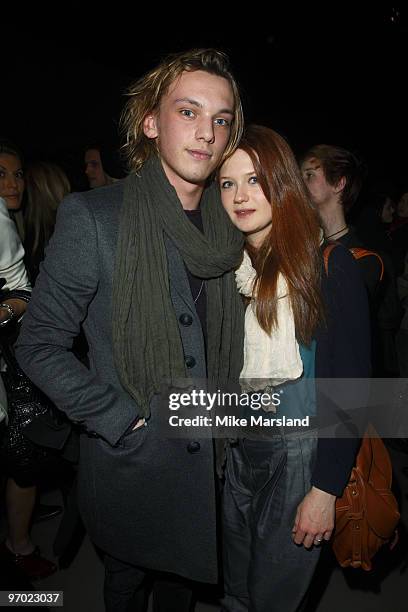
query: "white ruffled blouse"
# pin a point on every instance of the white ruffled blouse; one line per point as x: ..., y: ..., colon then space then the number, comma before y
x: 274, y: 358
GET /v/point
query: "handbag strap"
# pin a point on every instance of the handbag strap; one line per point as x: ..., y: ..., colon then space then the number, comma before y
x: 326, y: 254
x: 360, y: 252
x: 357, y: 252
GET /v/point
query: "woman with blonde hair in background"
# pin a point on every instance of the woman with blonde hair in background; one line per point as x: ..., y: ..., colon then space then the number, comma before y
x: 47, y: 185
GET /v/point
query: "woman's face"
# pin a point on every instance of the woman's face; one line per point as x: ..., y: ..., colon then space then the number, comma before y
x: 11, y: 180
x: 243, y: 198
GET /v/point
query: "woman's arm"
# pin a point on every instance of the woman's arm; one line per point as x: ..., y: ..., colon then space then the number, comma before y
x: 15, y: 292
x: 11, y: 309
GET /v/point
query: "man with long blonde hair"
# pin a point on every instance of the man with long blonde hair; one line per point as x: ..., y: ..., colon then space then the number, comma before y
x: 145, y: 266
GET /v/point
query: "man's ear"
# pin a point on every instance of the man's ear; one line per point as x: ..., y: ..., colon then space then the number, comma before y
x: 340, y: 185
x: 150, y: 126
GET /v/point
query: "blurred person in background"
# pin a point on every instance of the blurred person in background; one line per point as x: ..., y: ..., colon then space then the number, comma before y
x: 100, y: 164
x: 334, y: 177
x: 47, y: 185
x: 12, y: 182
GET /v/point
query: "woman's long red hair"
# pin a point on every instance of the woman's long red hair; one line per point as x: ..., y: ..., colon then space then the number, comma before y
x: 292, y: 246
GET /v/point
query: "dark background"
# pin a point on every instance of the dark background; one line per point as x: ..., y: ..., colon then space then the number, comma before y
x: 335, y: 74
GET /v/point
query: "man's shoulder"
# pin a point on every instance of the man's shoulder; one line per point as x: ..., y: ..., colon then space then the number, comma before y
x: 99, y: 198
x: 337, y: 256
x: 367, y: 258
x: 102, y: 204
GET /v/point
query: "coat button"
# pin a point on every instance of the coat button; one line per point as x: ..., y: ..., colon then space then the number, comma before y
x: 193, y: 447
x: 189, y: 361
x: 185, y: 319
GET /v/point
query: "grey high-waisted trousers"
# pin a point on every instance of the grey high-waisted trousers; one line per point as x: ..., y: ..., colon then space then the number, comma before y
x: 266, y: 480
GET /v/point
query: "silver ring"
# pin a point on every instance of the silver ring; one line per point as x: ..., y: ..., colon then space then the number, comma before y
x: 316, y: 540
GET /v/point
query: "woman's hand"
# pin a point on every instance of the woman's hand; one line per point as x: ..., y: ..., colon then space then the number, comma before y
x: 18, y: 307
x: 314, y: 518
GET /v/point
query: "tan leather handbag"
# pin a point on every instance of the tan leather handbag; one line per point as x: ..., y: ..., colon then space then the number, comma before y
x: 367, y: 513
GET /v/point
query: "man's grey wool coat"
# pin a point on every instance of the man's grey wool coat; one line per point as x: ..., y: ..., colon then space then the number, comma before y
x: 144, y: 498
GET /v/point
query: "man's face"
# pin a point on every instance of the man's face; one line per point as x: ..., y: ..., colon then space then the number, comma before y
x: 94, y: 169
x: 11, y: 181
x: 192, y: 127
x: 321, y: 192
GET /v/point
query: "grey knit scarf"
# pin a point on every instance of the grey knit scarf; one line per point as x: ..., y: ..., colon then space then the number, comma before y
x: 146, y: 339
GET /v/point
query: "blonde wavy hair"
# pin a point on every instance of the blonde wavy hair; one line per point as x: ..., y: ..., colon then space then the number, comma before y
x: 46, y: 184
x: 146, y: 94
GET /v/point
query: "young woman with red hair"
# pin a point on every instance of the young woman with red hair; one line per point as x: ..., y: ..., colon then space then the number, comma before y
x: 301, y: 324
